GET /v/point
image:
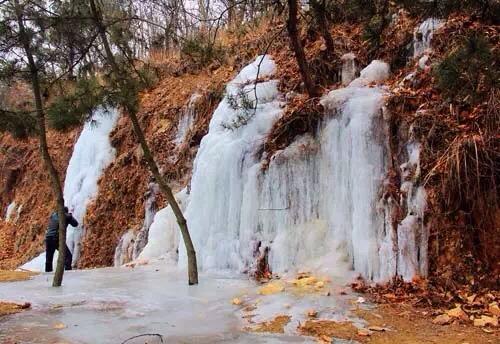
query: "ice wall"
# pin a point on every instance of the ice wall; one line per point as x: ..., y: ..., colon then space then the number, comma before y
x: 92, y: 153
x: 222, y: 165
x: 317, y: 205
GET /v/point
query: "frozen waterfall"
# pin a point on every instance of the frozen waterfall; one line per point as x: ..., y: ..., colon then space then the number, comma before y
x: 317, y: 205
x: 92, y: 153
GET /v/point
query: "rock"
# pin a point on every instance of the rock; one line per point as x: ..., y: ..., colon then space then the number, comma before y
x: 443, y: 319
x: 458, y: 313
x: 494, y: 309
x: 485, y: 321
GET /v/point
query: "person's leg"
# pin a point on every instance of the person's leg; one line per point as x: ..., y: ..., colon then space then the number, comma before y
x: 50, y: 247
x: 68, y: 259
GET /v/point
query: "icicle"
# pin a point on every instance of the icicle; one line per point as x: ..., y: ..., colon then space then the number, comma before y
x: 11, y: 209
x: 349, y: 68
x: 423, y: 35
x: 187, y: 117
x: 412, y: 233
x: 149, y: 213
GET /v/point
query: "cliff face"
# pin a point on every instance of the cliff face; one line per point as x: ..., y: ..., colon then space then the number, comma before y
x: 463, y: 232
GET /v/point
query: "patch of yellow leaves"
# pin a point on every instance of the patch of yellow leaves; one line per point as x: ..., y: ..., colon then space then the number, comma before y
x: 12, y: 276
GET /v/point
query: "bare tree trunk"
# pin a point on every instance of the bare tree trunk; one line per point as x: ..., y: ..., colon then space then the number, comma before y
x: 298, y: 49
x: 44, y: 149
x: 148, y: 155
x: 319, y: 10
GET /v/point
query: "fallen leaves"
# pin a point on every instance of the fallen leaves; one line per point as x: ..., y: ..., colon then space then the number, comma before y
x: 59, y: 326
x: 328, y: 328
x: 272, y: 288
x: 458, y: 313
x: 11, y: 276
x: 11, y: 308
x: 276, y: 325
x: 485, y: 320
x: 443, y: 319
x: 236, y: 301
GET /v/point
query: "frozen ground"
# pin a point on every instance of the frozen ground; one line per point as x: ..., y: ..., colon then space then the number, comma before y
x: 113, y: 304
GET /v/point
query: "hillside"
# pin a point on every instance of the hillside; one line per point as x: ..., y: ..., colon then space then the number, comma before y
x: 385, y: 180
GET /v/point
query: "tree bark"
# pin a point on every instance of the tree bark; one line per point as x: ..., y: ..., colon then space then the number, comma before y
x: 320, y: 14
x: 148, y: 155
x: 298, y: 49
x: 44, y: 149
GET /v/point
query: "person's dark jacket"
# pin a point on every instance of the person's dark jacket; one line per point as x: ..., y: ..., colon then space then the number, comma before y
x: 53, y: 228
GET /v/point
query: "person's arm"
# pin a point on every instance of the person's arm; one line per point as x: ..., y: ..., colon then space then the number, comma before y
x: 71, y: 220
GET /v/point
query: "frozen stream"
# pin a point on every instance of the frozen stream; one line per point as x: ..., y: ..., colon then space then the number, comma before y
x: 112, y: 304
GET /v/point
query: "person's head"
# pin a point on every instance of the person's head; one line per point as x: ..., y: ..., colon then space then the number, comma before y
x: 66, y: 210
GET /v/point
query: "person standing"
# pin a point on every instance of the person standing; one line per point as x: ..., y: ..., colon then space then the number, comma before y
x: 52, y: 239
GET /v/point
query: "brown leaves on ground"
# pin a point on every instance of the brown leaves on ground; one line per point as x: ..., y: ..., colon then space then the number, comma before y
x: 277, y: 325
x: 11, y: 308
x: 329, y: 328
x: 460, y: 306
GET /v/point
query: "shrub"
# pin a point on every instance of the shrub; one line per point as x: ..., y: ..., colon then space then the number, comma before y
x: 71, y: 108
x: 488, y: 9
x: 468, y: 72
x: 201, y: 50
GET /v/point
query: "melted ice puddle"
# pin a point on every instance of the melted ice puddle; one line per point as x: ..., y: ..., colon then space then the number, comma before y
x: 111, y: 305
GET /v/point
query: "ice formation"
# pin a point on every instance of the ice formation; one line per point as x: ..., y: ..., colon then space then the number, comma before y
x: 423, y: 35
x: 315, y: 206
x: 11, y: 209
x: 131, y: 243
x: 413, y: 234
x: 187, y: 117
x: 222, y: 166
x: 349, y: 68
x: 91, y: 155
x: 163, y: 237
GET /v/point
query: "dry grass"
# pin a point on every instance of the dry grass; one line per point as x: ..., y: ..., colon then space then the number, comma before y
x: 12, y: 276
x: 7, y: 308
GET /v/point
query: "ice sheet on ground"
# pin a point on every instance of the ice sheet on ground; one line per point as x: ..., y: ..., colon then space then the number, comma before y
x: 112, y: 304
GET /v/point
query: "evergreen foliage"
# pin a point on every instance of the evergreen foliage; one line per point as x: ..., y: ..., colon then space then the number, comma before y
x: 468, y: 71
x: 243, y: 105
x: 201, y: 50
